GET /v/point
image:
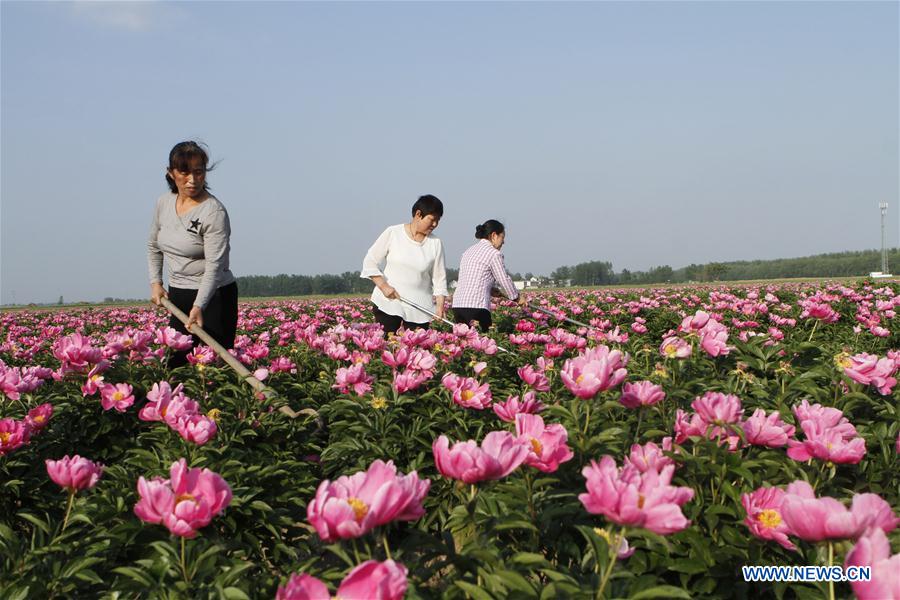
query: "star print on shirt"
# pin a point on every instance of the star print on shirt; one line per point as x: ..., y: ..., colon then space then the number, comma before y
x: 195, y: 225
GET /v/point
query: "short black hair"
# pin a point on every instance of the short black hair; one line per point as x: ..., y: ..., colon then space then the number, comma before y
x: 428, y: 205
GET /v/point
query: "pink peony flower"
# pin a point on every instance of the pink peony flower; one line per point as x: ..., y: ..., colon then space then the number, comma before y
x: 499, y: 454
x: 716, y: 417
x: 119, y: 396
x: 642, y: 393
x: 186, y: 502
x: 468, y: 392
x: 628, y: 497
x: 650, y: 456
x: 713, y: 339
x: 13, y: 434
x: 868, y: 369
x: 548, y: 443
x: 770, y: 431
x: 816, y: 519
x: 195, y: 428
x: 74, y: 473
x: 371, y: 580
x: 508, y: 410
x: 534, y: 378
x: 167, y: 336
x: 39, y: 417
x: 593, y: 371
x: 353, y: 377
x: 764, y: 518
x: 874, y: 550
x: 351, y: 506
x: 409, y: 380
x: 675, y: 347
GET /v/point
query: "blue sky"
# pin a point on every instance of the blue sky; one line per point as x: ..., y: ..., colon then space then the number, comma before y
x: 639, y: 133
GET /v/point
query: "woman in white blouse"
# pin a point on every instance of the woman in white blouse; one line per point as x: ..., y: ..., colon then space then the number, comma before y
x: 408, y: 261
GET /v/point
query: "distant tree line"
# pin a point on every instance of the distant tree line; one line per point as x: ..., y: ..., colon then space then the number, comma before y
x: 348, y: 282
x: 597, y: 272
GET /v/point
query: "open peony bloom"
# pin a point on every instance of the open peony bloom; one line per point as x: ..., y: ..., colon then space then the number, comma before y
x: 371, y: 580
x: 764, y: 518
x: 628, y: 497
x: 118, y: 396
x: 499, y: 455
x: 508, y: 410
x: 351, y: 506
x: 641, y: 393
x: 353, y: 377
x: 675, y: 347
x: 468, y: 392
x: 874, y: 550
x: 815, y: 519
x: 534, y: 378
x: 74, y: 473
x: 650, y: 457
x: 548, y: 442
x: 770, y: 431
x: 829, y: 436
x: 716, y: 417
x: 868, y: 369
x: 594, y: 370
x: 186, y: 502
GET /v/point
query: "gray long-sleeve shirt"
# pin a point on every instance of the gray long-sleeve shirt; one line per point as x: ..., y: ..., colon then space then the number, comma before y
x: 195, y: 246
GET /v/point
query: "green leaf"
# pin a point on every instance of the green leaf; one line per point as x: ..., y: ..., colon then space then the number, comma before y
x: 473, y: 590
x: 136, y: 574
x: 233, y: 593
x: 661, y: 591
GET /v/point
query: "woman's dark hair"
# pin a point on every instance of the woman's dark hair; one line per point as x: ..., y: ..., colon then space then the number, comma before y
x: 428, y: 205
x: 182, y: 156
x: 489, y: 228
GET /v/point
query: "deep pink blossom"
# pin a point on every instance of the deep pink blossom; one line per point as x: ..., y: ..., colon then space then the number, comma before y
x: 650, y: 456
x: 763, y: 507
x: 868, y: 369
x: 874, y: 550
x: 371, y: 580
x: 353, y: 377
x: 815, y: 519
x: 468, y: 392
x: 675, y: 347
x: 508, y: 410
x: 186, y: 502
x: 351, y: 506
x: 641, y: 393
x: 547, y: 442
x: 770, y: 431
x: 13, y: 434
x: 594, y: 370
x: 39, y: 417
x: 74, y: 473
x: 628, y: 497
x: 119, y: 396
x: 499, y: 454
x: 534, y: 378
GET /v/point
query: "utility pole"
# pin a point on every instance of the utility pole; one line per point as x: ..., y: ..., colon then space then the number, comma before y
x: 884, y: 256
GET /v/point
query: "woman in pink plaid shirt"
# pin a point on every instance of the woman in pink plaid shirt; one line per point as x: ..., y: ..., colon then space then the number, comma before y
x: 480, y: 268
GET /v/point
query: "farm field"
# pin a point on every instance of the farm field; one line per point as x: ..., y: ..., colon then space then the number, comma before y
x: 687, y: 432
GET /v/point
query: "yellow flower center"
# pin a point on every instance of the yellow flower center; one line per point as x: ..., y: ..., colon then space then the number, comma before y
x: 39, y: 419
x: 379, y: 403
x: 579, y: 379
x: 641, y: 500
x: 117, y: 396
x: 185, y: 498
x: 359, y: 508
x: 769, y: 518
x: 467, y: 395
x: 671, y: 350
x: 214, y: 414
x: 536, y: 446
x: 4, y: 437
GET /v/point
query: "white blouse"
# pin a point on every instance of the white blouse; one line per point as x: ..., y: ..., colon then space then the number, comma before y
x: 415, y: 269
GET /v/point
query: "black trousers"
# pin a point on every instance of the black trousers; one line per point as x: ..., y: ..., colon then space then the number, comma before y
x: 392, y: 323
x: 219, y: 317
x: 467, y: 315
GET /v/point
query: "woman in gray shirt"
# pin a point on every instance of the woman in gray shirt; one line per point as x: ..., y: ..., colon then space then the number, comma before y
x: 191, y: 231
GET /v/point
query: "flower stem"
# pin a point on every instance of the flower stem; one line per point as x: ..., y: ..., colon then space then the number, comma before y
x: 613, y: 554
x: 68, y: 510
x: 184, y: 571
x: 587, y: 417
x: 811, y: 333
x: 356, y: 552
x: 387, y: 549
x: 830, y: 563
x: 637, y: 432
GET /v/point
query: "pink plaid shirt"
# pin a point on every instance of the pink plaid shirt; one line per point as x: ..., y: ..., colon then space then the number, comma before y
x: 480, y: 267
